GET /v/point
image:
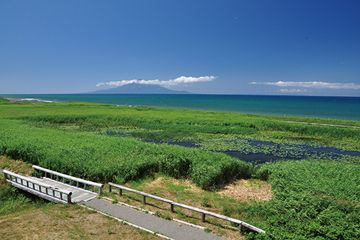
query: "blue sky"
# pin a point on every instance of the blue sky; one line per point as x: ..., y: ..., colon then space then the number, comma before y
x: 302, y: 47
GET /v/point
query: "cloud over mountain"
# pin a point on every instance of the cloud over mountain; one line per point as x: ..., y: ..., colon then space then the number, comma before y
x: 166, y: 83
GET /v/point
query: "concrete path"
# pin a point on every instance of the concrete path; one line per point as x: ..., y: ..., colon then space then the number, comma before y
x: 168, y: 228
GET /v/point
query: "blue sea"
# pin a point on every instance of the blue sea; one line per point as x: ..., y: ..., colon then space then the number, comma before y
x: 323, y: 107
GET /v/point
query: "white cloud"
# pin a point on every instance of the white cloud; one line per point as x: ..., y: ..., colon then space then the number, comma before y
x: 170, y: 82
x: 315, y: 84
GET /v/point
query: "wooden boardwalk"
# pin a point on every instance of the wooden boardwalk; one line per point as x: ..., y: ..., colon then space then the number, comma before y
x: 78, y: 194
x: 54, y: 186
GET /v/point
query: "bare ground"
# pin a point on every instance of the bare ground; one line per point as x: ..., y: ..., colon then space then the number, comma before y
x: 57, y: 221
x: 248, y: 190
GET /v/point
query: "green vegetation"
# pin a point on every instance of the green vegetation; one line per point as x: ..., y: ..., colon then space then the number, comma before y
x: 3, y: 100
x: 102, y: 158
x: 160, y: 124
x: 312, y: 199
x: 11, y: 199
x: 174, y: 124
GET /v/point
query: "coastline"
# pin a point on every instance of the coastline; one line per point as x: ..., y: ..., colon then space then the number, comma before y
x: 341, y: 108
x: 18, y: 100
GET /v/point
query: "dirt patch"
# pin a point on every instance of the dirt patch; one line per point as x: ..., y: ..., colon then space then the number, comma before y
x: 66, y: 222
x: 248, y: 190
x: 187, y: 185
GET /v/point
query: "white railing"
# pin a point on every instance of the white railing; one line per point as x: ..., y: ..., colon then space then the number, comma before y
x: 78, y: 182
x: 36, y: 187
x: 204, y: 213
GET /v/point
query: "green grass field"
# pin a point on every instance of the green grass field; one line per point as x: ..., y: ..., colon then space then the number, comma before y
x: 315, y: 198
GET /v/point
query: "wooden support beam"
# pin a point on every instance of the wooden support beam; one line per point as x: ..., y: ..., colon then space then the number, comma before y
x: 144, y: 199
x: 37, y: 187
x: 69, y: 198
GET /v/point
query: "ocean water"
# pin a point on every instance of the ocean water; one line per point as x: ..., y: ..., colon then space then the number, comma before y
x: 323, y: 107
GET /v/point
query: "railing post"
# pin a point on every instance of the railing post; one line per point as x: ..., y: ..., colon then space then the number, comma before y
x: 203, y: 217
x: 69, y: 197
x: 110, y: 188
x: 144, y: 199
x: 100, y: 190
x: 120, y: 192
x: 172, y: 207
x: 240, y: 227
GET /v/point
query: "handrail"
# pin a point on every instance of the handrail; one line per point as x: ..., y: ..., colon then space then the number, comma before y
x: 172, y: 204
x: 31, y: 184
x: 139, y: 192
x: 68, y: 177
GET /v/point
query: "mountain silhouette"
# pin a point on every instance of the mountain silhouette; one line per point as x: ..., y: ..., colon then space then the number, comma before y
x: 134, y: 88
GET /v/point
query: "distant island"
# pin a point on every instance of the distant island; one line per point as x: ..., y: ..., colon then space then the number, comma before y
x: 135, y: 88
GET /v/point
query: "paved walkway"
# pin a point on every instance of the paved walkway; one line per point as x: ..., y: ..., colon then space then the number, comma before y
x: 168, y: 228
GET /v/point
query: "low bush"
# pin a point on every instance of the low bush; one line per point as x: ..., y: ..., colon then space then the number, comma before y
x: 312, y: 200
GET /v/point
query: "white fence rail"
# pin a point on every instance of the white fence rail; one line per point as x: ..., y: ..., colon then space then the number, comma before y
x: 204, y: 213
x: 78, y: 182
x: 37, y: 188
